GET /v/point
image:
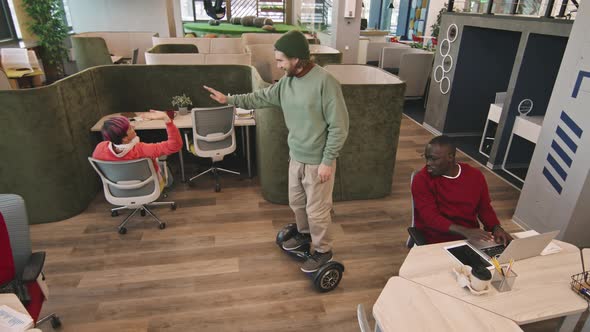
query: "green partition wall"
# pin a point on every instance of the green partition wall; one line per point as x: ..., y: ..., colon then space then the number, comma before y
x: 45, y: 133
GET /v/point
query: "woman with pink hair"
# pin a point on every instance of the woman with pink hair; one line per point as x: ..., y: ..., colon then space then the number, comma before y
x: 122, y: 143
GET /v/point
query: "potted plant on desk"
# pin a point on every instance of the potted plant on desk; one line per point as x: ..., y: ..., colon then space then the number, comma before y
x: 182, y: 102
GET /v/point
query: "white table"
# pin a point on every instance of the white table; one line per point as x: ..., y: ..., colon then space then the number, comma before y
x: 13, y: 302
x: 404, y: 305
x: 186, y: 122
x: 541, y: 291
x: 527, y: 127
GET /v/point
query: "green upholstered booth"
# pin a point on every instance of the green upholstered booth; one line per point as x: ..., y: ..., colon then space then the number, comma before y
x: 45, y: 136
x: 374, y: 99
x: 173, y: 48
x: 95, y: 48
x: 90, y: 52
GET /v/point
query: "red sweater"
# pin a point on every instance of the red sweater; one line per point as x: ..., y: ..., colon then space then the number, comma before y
x: 440, y: 202
x: 143, y: 150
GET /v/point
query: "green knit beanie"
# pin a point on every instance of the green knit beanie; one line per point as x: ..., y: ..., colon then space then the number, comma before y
x: 293, y: 44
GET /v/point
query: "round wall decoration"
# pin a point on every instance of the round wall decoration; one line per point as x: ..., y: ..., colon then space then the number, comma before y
x: 445, y: 47
x: 447, y: 63
x: 438, y: 74
x: 445, y: 85
x: 452, y: 32
x: 525, y: 106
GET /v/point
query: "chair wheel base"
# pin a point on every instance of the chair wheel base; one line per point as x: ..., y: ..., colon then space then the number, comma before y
x: 162, y: 225
x: 142, y: 212
x: 114, y: 214
x: 173, y: 206
x: 122, y: 230
x: 55, y: 322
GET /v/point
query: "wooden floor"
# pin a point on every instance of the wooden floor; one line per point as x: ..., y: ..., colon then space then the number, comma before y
x: 216, y: 266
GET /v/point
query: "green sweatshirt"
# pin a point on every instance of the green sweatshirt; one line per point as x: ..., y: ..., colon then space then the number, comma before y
x: 314, y: 111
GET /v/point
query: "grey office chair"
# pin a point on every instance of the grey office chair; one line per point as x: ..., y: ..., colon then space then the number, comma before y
x: 132, y: 184
x: 28, y: 265
x: 416, y: 237
x: 213, y: 137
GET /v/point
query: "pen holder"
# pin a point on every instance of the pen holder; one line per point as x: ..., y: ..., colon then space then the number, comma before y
x: 504, y: 283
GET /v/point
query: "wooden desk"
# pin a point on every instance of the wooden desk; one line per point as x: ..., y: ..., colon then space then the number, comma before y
x: 404, y: 305
x: 541, y: 291
x: 186, y: 122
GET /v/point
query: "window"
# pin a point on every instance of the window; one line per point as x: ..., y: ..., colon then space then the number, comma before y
x: 194, y: 10
x: 67, y: 16
x: 7, y: 27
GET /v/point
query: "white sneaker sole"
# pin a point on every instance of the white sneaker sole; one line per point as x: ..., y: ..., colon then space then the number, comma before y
x: 310, y: 271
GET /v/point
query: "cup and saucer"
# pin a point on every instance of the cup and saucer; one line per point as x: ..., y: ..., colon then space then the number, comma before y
x: 478, y: 282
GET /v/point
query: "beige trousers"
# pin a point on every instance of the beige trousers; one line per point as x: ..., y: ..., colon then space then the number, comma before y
x: 311, y: 201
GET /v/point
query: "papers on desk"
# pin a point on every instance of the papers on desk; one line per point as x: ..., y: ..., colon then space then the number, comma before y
x: 244, y: 114
x: 18, y: 62
x: 551, y: 248
x: 14, y: 321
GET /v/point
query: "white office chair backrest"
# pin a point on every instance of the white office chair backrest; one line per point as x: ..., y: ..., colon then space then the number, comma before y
x: 213, y: 131
x: 128, y: 183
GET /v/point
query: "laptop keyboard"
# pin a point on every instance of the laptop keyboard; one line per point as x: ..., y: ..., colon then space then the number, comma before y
x: 494, y: 251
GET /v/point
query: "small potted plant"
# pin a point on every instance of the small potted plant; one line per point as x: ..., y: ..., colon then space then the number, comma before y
x: 182, y: 102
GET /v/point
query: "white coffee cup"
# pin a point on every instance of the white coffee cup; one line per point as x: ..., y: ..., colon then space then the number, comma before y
x: 480, y: 279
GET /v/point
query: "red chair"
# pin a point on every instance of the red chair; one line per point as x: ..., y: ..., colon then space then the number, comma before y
x: 434, y: 42
x: 18, y: 265
x: 416, y: 39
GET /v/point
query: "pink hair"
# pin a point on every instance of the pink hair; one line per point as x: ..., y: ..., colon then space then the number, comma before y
x: 115, y: 129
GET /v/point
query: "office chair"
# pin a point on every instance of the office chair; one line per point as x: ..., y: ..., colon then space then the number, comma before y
x: 213, y: 137
x: 131, y: 184
x: 20, y: 268
x: 134, y: 56
x: 362, y: 318
x: 416, y: 237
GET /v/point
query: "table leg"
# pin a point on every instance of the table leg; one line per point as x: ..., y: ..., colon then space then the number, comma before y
x: 248, y: 157
x: 181, y: 165
x: 569, y: 323
x: 244, y: 128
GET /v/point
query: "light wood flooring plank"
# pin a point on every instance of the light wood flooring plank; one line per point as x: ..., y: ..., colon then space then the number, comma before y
x: 216, y: 266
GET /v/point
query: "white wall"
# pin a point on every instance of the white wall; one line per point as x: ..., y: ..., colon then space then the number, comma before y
x: 433, y: 8
x: 120, y: 15
x: 559, y: 197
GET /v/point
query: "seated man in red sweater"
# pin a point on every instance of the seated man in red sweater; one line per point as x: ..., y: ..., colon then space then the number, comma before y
x: 449, y: 197
x: 122, y: 143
